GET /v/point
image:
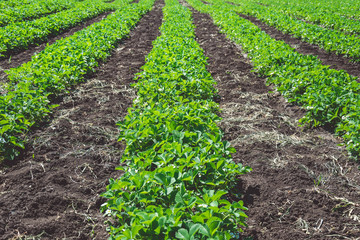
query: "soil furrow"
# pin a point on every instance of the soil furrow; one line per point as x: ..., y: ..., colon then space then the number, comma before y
x: 302, y: 185
x: 53, y: 192
x: 22, y: 57
x: 337, y: 62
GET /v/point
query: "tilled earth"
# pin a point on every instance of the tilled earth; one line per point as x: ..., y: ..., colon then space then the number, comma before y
x: 302, y: 185
x: 54, y: 191
x: 335, y: 61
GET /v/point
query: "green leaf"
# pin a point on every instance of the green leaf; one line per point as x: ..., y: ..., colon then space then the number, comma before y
x: 204, y: 229
x: 135, y: 229
x: 160, y: 178
x: 192, y: 201
x: 198, y: 219
x: 182, y: 234
x: 219, y: 194
x: 179, y: 198
x: 162, y: 221
x: 194, y: 228
x: 213, y: 226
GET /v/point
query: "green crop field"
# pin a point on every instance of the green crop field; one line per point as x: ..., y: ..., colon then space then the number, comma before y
x: 168, y: 119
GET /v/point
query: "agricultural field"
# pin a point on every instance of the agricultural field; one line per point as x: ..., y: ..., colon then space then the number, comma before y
x: 179, y: 119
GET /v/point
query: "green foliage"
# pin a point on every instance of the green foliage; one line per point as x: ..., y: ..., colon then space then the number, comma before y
x: 330, y: 97
x: 13, y: 3
x: 178, y: 172
x: 57, y: 68
x: 328, y: 39
x: 21, y: 35
x: 345, y: 9
x: 317, y: 14
x: 34, y: 10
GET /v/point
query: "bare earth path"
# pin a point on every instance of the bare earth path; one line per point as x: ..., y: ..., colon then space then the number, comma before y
x: 53, y: 192
x: 302, y: 186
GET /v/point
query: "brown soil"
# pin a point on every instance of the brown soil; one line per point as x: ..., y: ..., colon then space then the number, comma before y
x: 337, y: 62
x: 53, y: 192
x: 302, y: 185
x: 206, y: 3
x: 22, y: 57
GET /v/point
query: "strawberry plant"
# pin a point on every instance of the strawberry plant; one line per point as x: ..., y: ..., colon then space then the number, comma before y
x: 14, y: 3
x: 328, y: 39
x: 31, y: 11
x: 26, y: 101
x: 331, y: 97
x: 20, y: 35
x: 315, y: 14
x: 178, y: 172
x: 346, y: 9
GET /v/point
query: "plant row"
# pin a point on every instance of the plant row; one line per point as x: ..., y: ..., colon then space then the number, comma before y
x: 331, y: 97
x: 328, y: 39
x: 346, y: 8
x: 21, y: 35
x: 13, y: 3
x: 31, y: 11
x: 27, y: 98
x: 178, y: 173
x: 313, y: 14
